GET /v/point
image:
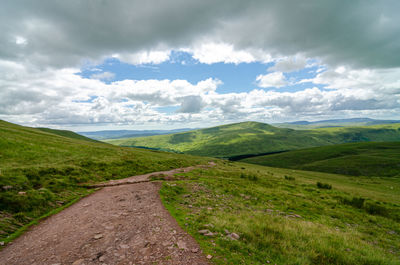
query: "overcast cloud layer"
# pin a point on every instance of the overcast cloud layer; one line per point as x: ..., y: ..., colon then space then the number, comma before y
x: 43, y: 44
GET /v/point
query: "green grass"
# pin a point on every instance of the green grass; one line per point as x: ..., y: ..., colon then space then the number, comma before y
x: 283, y: 217
x: 357, y: 159
x: 258, y: 138
x: 41, y: 171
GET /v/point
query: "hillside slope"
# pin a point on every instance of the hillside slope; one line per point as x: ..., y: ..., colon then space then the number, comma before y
x: 282, y: 216
x: 68, y: 134
x: 356, y: 159
x: 39, y: 171
x: 258, y: 138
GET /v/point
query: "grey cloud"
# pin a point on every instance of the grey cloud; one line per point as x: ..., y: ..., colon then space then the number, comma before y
x: 191, y: 104
x: 353, y: 103
x: 157, y: 97
x: 360, y: 33
x: 363, y: 33
x: 61, y: 33
x: 289, y: 65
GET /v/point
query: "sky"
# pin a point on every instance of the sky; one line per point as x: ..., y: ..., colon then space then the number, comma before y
x: 88, y: 65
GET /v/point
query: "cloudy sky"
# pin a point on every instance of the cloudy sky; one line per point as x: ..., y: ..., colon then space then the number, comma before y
x: 103, y: 64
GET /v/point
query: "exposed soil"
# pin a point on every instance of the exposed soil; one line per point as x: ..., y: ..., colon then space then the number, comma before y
x: 121, y: 224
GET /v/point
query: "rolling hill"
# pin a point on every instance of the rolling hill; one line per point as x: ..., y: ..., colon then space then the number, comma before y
x: 356, y: 159
x: 68, y: 134
x: 307, y: 125
x: 116, y: 134
x: 40, y: 170
x: 258, y: 138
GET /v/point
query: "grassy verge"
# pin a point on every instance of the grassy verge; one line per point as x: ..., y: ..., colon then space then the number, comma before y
x: 25, y: 227
x: 283, y: 216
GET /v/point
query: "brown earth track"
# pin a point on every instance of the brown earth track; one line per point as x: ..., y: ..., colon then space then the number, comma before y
x: 121, y: 224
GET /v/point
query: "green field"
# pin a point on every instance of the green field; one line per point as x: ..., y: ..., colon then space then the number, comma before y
x: 40, y: 170
x: 283, y: 217
x: 258, y: 138
x: 356, y: 159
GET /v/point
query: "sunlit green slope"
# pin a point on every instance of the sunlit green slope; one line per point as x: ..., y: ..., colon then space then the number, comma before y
x: 367, y: 159
x: 257, y: 138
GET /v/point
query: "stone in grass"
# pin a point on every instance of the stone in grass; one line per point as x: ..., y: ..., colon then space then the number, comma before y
x: 235, y: 236
x: 209, y: 256
x: 204, y: 231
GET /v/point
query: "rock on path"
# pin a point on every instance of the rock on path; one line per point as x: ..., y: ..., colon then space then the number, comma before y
x: 117, y: 225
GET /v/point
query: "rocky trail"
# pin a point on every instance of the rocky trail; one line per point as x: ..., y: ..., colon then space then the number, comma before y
x: 119, y: 224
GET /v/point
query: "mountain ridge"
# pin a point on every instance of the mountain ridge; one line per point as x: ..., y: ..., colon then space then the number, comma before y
x: 255, y: 138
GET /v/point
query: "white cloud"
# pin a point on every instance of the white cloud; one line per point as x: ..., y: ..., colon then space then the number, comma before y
x: 371, y: 80
x: 275, y: 79
x: 145, y: 57
x: 103, y: 76
x: 19, y: 40
x: 62, y: 98
x: 209, y: 53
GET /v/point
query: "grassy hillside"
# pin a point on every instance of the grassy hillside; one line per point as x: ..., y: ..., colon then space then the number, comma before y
x: 257, y: 138
x: 67, y: 134
x: 366, y: 159
x: 283, y: 216
x: 40, y: 170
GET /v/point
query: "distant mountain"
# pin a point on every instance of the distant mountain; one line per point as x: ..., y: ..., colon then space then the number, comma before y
x: 356, y: 159
x: 116, y: 134
x: 246, y: 138
x: 300, y: 125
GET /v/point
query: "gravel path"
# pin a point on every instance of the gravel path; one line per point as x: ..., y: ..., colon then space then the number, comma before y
x: 120, y: 224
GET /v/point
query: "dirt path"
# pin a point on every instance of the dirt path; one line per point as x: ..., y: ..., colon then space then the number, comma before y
x: 121, y: 224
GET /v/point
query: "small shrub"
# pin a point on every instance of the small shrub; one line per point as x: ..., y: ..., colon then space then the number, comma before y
x: 253, y: 178
x: 356, y: 202
x: 249, y: 177
x: 375, y: 209
x: 324, y: 185
x: 289, y: 178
